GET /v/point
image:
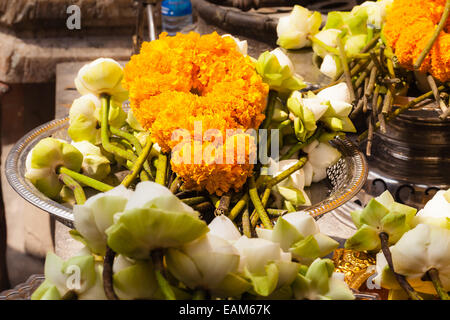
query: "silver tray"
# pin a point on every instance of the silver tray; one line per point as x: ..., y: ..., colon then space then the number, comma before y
x: 345, y: 178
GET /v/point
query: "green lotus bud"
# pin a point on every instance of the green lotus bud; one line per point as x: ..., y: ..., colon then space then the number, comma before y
x: 381, y: 214
x: 43, y: 161
x: 103, y: 75
x: 277, y: 70
x: 436, y: 211
x: 328, y: 37
x: 80, y: 274
x: 298, y: 233
x: 210, y: 262
x: 419, y: 250
x: 354, y: 44
x: 82, y: 119
x: 95, y: 164
x: 319, y: 282
x: 135, y: 280
x: 96, y: 215
x: 153, y: 218
x: 320, y: 158
x: 331, y: 66
x: 265, y: 265
x: 293, y: 30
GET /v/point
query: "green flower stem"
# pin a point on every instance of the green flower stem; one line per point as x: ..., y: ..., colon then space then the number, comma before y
x: 78, y: 192
x: 135, y: 142
x: 437, y: 97
x: 399, y: 110
x: 434, y: 37
x: 276, y: 212
x: 401, y: 279
x: 126, y: 154
x: 137, y: 167
x: 144, y: 176
x: 246, y: 228
x: 108, y: 274
x: 157, y: 258
x: 238, y: 207
x: 344, y: 62
x: 215, y: 200
x: 320, y: 43
x: 90, y: 182
x: 273, y: 182
x: 270, y: 108
x: 364, y: 74
x: 224, y: 205
x: 204, y: 207
x: 286, y: 173
x: 194, y: 200
x: 176, y: 183
x: 433, y: 274
x: 259, y: 207
x: 161, y: 169
x: 289, y: 206
x: 301, y: 145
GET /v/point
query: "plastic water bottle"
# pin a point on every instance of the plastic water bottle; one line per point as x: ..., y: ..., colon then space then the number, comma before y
x: 176, y: 14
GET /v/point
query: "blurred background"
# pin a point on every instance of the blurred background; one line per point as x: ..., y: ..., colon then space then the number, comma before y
x: 38, y: 38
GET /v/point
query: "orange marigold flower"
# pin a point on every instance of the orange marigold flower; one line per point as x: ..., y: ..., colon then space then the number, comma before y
x: 230, y: 161
x: 178, y: 82
x: 408, y: 28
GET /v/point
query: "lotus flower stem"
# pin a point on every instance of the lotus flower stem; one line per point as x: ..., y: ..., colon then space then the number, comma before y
x: 364, y: 74
x: 105, y: 102
x: 273, y: 182
x: 401, y: 109
x: 194, y: 200
x: 241, y: 204
x: 373, y: 75
x: 204, y: 207
x: 347, y: 74
x: 135, y: 142
x: 301, y: 145
x: 161, y: 169
x: 157, y: 258
x: 108, y: 274
x: 175, y: 185
x: 433, y: 274
x: 246, y: 226
x: 384, y: 238
x: 270, y: 108
x: 286, y: 173
x: 224, y: 205
x: 137, y: 167
x: 377, y: 63
x: 259, y: 207
x: 144, y: 176
x: 436, y: 95
x: 78, y: 192
x: 434, y: 37
x: 90, y: 182
x: 276, y: 212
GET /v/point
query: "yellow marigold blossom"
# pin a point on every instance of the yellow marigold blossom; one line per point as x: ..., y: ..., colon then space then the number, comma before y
x: 220, y: 164
x: 408, y: 28
x: 177, y: 81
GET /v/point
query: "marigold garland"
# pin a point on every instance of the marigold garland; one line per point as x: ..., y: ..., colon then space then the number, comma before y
x: 409, y: 25
x: 176, y: 81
